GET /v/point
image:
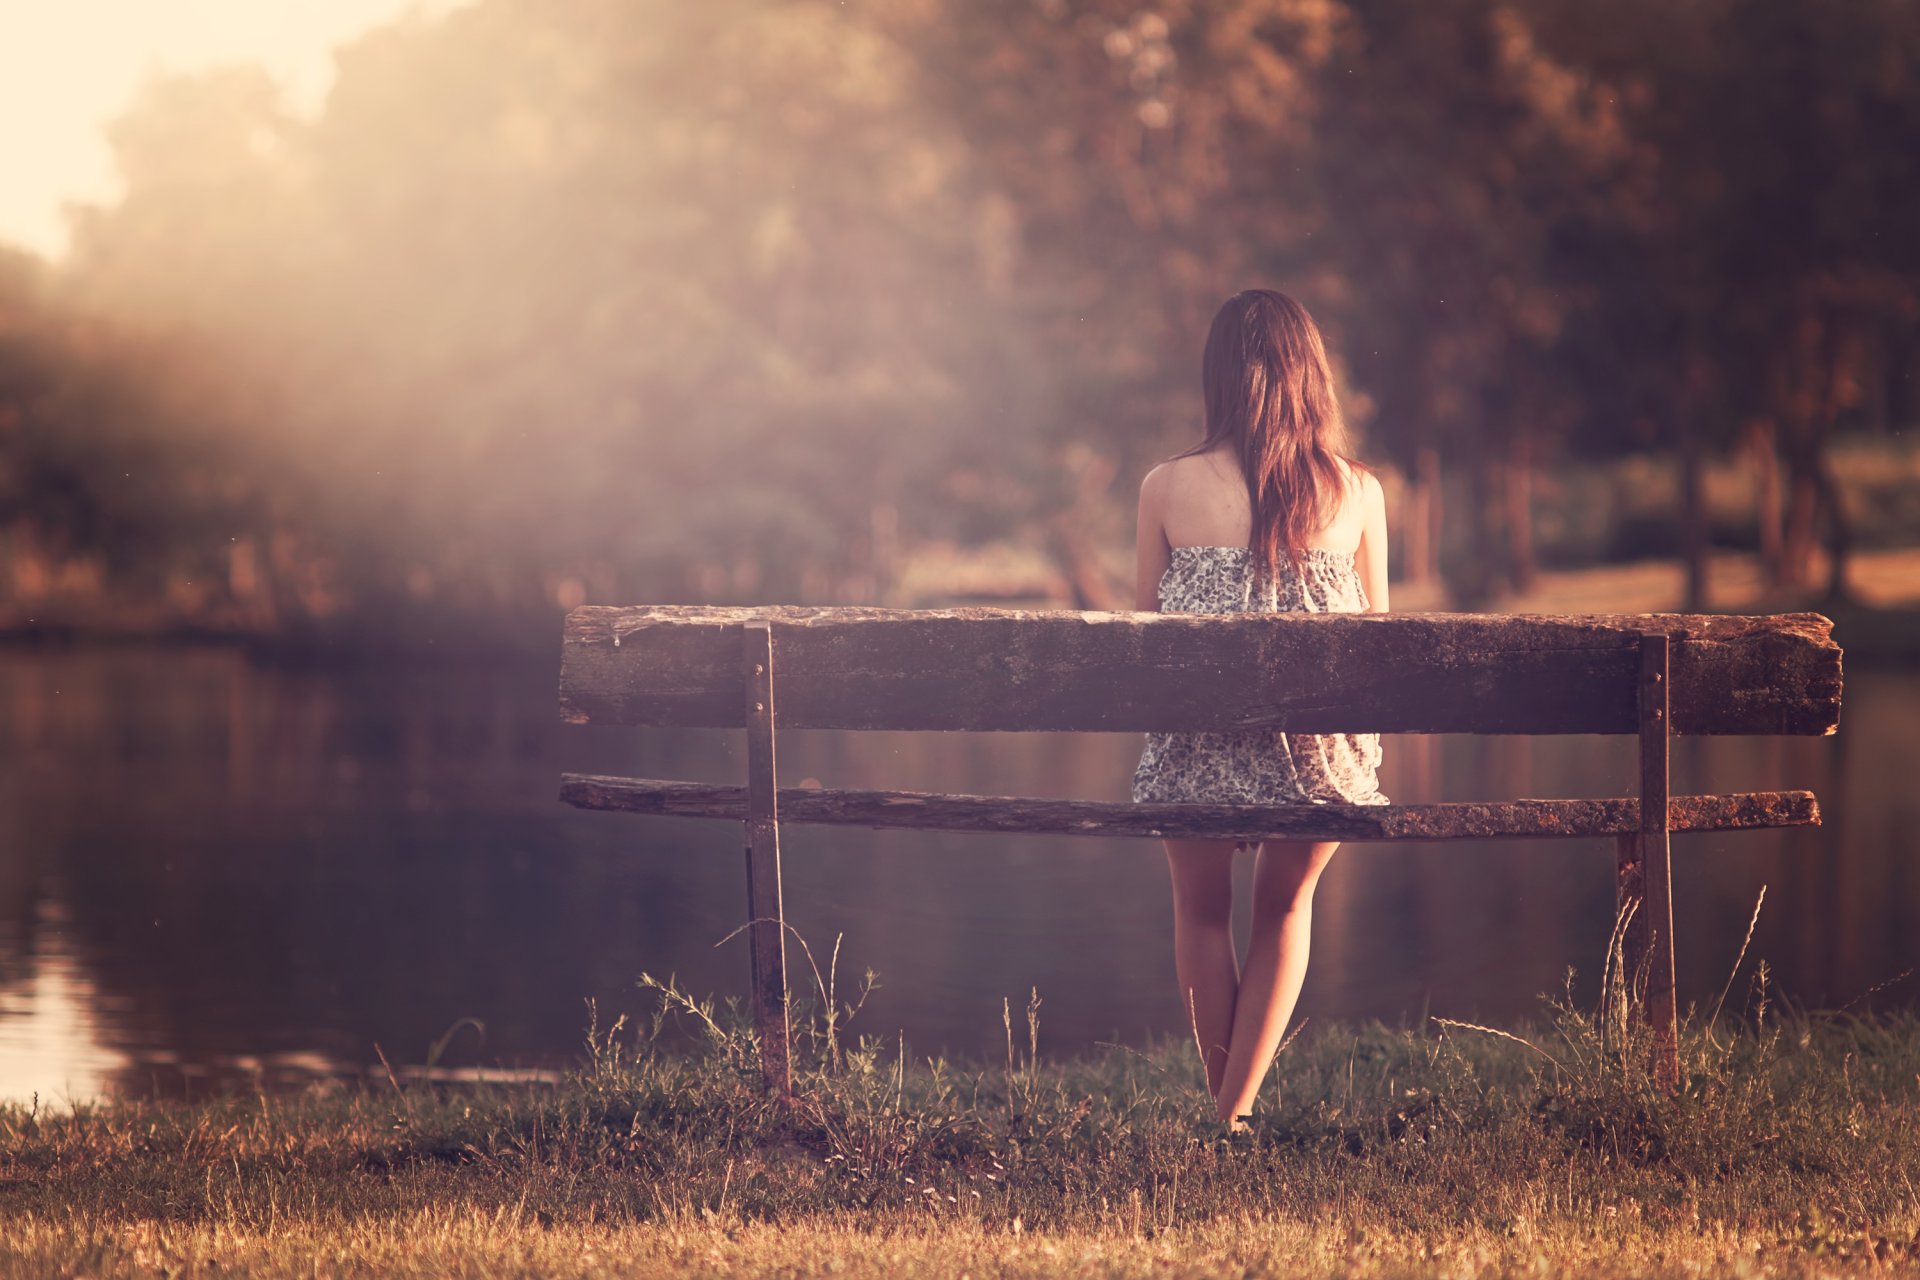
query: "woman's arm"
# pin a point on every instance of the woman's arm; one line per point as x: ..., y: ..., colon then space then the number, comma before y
x: 1371, y: 560
x: 1151, y: 555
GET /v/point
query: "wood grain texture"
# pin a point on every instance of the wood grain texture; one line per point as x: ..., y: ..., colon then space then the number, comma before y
x: 929, y: 811
x: 1050, y: 670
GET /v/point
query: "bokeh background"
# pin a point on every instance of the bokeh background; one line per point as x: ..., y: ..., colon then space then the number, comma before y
x: 314, y: 427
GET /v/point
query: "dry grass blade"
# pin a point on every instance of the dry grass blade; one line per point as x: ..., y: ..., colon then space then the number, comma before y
x: 1131, y: 1052
x: 1504, y: 1035
x: 1736, y: 964
x: 1616, y: 985
x: 830, y: 1008
x: 1193, y: 1023
x: 1006, y: 1021
x: 1901, y: 976
x: 1281, y: 1048
x: 1291, y: 1037
x: 384, y: 1064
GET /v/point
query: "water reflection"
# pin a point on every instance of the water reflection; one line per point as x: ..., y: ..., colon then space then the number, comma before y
x: 50, y: 1045
x: 217, y: 868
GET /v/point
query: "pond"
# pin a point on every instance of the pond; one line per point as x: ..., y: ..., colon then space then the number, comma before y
x: 213, y: 868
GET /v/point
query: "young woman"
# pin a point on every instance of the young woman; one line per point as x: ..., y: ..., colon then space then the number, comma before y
x: 1266, y: 514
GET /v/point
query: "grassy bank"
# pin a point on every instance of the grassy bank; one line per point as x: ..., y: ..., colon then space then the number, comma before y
x: 1794, y: 1148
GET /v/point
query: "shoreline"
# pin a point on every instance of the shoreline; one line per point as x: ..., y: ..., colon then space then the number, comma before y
x: 1878, y: 625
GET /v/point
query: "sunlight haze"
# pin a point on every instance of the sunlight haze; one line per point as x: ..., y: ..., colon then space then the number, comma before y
x: 67, y: 69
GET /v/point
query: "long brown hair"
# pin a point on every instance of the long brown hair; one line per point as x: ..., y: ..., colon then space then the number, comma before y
x: 1269, y: 394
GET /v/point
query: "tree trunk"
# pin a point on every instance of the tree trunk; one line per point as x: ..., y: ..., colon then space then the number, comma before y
x: 1766, y: 498
x: 1090, y: 585
x: 1839, y: 527
x: 1693, y: 515
x: 1089, y: 473
x: 1796, y: 548
x: 1517, y: 492
x: 1840, y: 357
x: 1473, y: 577
x: 1422, y: 559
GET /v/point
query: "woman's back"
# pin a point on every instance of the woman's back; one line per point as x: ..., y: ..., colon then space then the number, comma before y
x: 1203, y: 502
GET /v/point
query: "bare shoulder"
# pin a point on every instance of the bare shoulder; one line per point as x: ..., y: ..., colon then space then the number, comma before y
x: 1175, y: 475
x: 1373, y: 501
x: 1153, y: 485
x: 1197, y: 469
x: 1157, y: 495
x: 1371, y: 491
x: 1361, y: 481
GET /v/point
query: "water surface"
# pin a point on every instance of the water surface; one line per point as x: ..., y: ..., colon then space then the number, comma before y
x: 211, y: 868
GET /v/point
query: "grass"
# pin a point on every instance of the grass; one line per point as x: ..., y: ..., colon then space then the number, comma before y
x: 1792, y: 1149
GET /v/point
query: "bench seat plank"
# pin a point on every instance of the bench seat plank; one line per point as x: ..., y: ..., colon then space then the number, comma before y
x: 930, y: 811
x: 1003, y: 669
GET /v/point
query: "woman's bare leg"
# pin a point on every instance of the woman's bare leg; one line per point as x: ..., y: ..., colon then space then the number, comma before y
x: 1203, y: 956
x: 1284, y: 877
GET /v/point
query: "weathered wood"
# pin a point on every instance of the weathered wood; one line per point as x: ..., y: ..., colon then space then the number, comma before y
x: 928, y: 811
x: 1656, y: 863
x: 766, y: 918
x: 1018, y: 670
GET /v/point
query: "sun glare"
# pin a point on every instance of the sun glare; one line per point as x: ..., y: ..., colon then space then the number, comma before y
x: 68, y: 68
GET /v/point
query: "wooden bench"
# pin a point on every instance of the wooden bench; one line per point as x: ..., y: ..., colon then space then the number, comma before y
x: 992, y: 669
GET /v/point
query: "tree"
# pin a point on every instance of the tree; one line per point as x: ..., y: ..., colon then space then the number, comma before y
x: 580, y: 291
x: 1774, y: 251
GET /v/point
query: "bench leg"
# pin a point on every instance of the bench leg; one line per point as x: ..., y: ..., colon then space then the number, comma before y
x: 766, y: 921
x: 1655, y: 858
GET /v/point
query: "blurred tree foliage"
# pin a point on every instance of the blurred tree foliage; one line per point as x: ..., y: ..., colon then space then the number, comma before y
x: 603, y: 300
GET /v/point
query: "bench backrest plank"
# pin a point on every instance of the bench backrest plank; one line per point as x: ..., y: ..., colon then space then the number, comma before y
x: 997, y: 669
